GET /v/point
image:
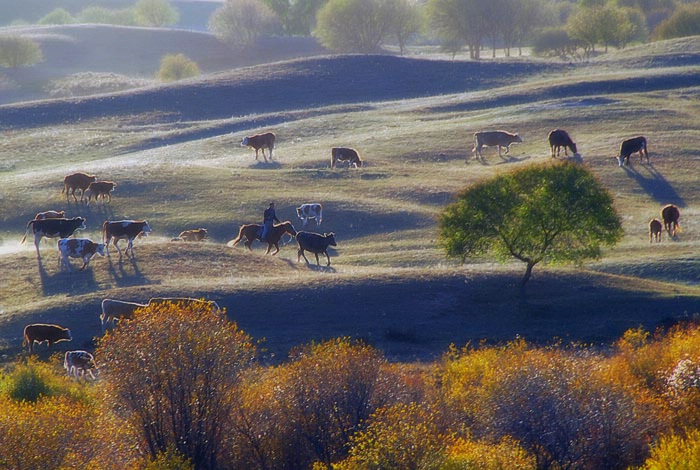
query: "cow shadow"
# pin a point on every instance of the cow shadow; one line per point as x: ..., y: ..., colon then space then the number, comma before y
x: 123, y: 277
x: 503, y: 160
x: 654, y: 184
x: 320, y: 269
x: 269, y: 165
x: 75, y: 282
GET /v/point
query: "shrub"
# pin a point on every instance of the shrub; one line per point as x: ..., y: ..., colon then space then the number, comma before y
x: 554, y: 42
x: 171, y: 459
x: 176, y: 386
x: 156, y: 13
x: 17, y: 51
x: 57, y: 16
x: 241, y: 22
x: 685, y: 21
x: 466, y: 454
x: 33, y: 380
x: 676, y: 453
x: 355, y: 25
x: 175, y: 67
x: 101, y: 15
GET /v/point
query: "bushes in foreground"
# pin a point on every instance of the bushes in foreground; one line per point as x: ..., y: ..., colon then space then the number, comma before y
x: 180, y: 388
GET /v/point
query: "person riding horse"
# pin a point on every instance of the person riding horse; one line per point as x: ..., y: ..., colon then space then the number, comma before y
x: 269, y: 217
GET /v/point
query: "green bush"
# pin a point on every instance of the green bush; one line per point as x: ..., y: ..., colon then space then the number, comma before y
x: 175, y: 67
x: 685, y: 21
x: 101, y: 15
x: 156, y: 13
x: 554, y: 42
x: 57, y: 16
x: 17, y: 51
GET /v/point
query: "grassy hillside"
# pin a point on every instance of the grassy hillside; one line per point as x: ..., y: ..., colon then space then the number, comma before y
x: 175, y: 154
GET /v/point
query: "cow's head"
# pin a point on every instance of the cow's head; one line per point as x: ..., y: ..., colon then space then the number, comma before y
x: 65, y: 335
x: 244, y: 142
x: 82, y: 223
x: 300, y: 212
x: 518, y: 138
x: 146, y: 229
x: 331, y: 238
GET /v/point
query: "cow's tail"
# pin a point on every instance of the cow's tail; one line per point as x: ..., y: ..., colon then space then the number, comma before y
x: 24, y: 238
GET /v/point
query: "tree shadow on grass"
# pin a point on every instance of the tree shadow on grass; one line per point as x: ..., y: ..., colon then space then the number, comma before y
x: 654, y: 184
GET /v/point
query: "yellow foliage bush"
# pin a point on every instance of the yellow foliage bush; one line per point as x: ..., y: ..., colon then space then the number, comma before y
x: 676, y: 453
x: 466, y: 454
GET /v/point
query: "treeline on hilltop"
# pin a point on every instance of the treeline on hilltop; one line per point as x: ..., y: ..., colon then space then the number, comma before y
x: 181, y: 387
x: 561, y: 27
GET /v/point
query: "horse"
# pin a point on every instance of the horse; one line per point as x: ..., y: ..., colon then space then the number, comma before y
x: 252, y: 233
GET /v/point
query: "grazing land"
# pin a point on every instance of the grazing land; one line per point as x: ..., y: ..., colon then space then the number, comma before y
x: 175, y: 154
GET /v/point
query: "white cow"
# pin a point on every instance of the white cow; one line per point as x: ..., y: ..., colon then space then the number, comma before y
x: 82, y: 248
x: 310, y: 211
x: 78, y: 363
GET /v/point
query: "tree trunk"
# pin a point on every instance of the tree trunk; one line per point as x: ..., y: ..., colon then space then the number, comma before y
x: 528, y: 273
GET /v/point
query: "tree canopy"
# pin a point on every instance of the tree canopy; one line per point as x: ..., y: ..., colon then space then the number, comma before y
x: 542, y: 213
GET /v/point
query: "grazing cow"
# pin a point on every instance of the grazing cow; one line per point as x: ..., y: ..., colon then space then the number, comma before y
x: 40, y: 332
x: 83, y: 248
x: 52, y: 228
x: 194, y: 235
x: 310, y: 211
x: 671, y: 215
x: 559, y: 138
x: 344, y: 154
x: 123, y: 229
x: 117, y: 310
x: 655, y: 229
x: 630, y: 146
x: 184, y: 301
x: 494, y: 139
x: 75, y: 181
x: 100, y: 188
x: 314, y: 243
x: 260, y: 141
x: 78, y: 363
x: 50, y: 215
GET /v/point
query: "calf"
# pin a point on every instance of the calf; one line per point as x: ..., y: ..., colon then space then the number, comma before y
x: 559, y: 138
x: 82, y: 248
x: 117, y: 310
x: 52, y: 228
x: 78, y: 363
x: 260, y: 141
x: 75, y: 181
x: 50, y: 215
x: 314, y: 243
x: 100, y: 189
x: 655, y: 229
x: 40, y: 332
x: 494, y: 139
x: 671, y: 215
x: 194, y: 235
x: 630, y: 146
x: 344, y: 154
x: 310, y: 211
x: 123, y: 229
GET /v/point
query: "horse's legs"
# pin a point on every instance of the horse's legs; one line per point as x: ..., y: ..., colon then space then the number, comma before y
x: 277, y: 249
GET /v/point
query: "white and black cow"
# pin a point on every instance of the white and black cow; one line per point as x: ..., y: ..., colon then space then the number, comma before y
x: 126, y: 230
x: 52, y: 228
x: 630, y: 146
x: 82, y: 248
x: 314, y: 243
x: 78, y: 363
x: 308, y: 211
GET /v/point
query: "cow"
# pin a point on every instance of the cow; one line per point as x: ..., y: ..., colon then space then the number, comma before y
x: 78, y: 363
x: 494, y: 139
x: 671, y: 214
x: 314, y: 243
x: 310, y: 211
x: 50, y: 215
x: 655, y: 229
x: 123, y: 229
x: 117, y: 310
x: 100, y: 188
x: 52, y: 228
x: 559, y: 138
x: 630, y: 146
x: 194, y: 235
x: 344, y: 154
x: 75, y: 181
x: 260, y: 141
x: 184, y: 301
x: 82, y: 248
x: 40, y: 332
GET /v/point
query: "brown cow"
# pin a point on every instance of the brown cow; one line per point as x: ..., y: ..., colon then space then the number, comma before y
x: 671, y: 214
x: 655, y: 229
x: 75, y: 181
x: 117, y: 310
x: 315, y: 243
x: 344, y: 154
x: 194, y: 235
x: 40, y: 332
x: 260, y: 141
x: 494, y: 139
x: 100, y: 188
x: 50, y: 215
x: 559, y: 138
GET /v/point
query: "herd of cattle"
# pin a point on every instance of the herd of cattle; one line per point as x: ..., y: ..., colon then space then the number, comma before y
x: 54, y: 224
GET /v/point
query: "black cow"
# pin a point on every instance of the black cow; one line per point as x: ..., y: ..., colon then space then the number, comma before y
x: 559, y: 138
x: 52, y: 228
x: 315, y: 243
x: 630, y: 146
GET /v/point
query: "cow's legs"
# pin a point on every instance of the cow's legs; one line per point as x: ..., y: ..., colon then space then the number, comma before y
x: 317, y: 262
x: 300, y: 253
x: 329, y: 258
x: 37, y: 239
